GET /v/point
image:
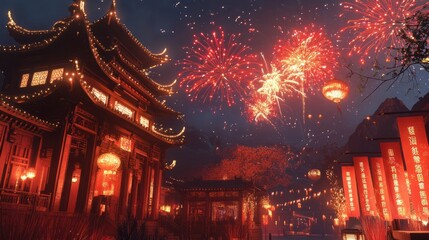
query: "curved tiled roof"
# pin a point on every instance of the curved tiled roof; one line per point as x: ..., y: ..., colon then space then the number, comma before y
x: 79, y: 22
x: 171, y: 138
x: 8, y: 107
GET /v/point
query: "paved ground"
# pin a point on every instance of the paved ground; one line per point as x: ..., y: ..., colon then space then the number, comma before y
x: 313, y: 237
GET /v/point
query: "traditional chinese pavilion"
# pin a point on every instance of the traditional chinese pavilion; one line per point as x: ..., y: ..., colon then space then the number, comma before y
x: 81, y: 121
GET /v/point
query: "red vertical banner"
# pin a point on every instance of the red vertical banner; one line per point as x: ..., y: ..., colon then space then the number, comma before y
x: 416, y: 153
x: 396, y: 181
x: 365, y: 186
x: 380, y: 188
x: 350, y: 191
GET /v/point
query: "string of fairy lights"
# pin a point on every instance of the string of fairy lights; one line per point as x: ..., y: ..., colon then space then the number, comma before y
x: 175, y: 138
x: 25, y: 114
x: 308, y: 197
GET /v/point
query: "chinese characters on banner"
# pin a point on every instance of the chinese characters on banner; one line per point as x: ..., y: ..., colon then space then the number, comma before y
x: 395, y: 176
x: 415, y: 148
x: 365, y: 187
x: 350, y: 191
x: 380, y: 188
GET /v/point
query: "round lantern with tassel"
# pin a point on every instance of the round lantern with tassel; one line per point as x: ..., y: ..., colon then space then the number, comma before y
x: 335, y: 90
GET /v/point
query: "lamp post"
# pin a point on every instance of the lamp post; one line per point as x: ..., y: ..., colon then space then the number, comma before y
x: 352, y: 234
x: 29, y: 173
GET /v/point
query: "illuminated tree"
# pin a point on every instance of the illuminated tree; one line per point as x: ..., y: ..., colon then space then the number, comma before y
x: 338, y: 200
x: 264, y: 165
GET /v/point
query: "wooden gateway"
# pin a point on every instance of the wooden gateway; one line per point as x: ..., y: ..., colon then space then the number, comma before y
x: 81, y: 122
x: 221, y: 209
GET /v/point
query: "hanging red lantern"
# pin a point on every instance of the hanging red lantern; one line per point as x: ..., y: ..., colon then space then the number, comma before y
x: 335, y: 90
x: 108, y: 161
x: 314, y: 174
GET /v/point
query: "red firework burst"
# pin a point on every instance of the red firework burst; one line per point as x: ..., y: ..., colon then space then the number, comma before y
x: 377, y: 23
x: 217, y: 67
x: 309, y: 56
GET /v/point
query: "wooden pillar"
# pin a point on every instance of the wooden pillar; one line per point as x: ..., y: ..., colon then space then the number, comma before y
x: 36, y: 164
x: 123, y: 198
x: 92, y: 179
x: 61, y: 172
x: 133, y: 200
x: 74, y: 188
x: 4, y: 153
x: 89, y: 177
x: 157, y: 191
x: 145, y: 189
x: 140, y: 193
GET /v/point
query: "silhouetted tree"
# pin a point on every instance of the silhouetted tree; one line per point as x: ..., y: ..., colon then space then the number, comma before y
x: 411, y: 57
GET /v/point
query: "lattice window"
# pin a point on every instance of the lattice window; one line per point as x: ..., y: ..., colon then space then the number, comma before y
x: 123, y: 109
x: 24, y: 80
x: 100, y: 96
x: 125, y: 144
x: 57, y: 74
x: 144, y: 122
x: 39, y: 78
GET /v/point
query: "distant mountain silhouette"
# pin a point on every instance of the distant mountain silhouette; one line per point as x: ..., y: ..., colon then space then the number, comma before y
x: 422, y: 104
x: 380, y: 126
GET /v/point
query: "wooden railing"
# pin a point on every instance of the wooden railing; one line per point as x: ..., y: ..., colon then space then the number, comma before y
x: 22, y: 199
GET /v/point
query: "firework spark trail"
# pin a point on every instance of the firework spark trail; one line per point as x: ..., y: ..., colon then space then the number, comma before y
x: 309, y: 56
x: 259, y: 109
x: 377, y: 24
x: 276, y: 84
x: 217, y: 66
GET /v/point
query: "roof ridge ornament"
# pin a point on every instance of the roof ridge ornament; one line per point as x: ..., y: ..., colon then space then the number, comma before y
x: 112, y: 11
x: 9, y: 15
x: 113, y: 8
x: 77, y: 6
x: 82, y: 5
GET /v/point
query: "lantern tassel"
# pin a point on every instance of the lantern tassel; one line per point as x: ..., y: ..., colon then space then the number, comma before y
x: 339, y: 109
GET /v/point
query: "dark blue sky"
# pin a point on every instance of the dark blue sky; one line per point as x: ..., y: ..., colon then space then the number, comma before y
x: 171, y: 24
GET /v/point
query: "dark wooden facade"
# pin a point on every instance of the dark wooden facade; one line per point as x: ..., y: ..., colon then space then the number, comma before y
x: 70, y: 94
x: 221, y: 209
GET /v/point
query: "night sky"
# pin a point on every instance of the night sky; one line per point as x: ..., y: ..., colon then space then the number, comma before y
x: 171, y: 24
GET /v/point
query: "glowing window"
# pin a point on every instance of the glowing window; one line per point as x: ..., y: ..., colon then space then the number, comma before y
x: 123, y: 109
x: 100, y: 96
x: 24, y: 80
x: 57, y: 74
x: 126, y: 144
x: 39, y: 78
x: 144, y: 122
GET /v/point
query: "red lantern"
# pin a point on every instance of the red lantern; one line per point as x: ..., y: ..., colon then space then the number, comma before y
x: 108, y: 161
x: 335, y: 90
x: 314, y: 174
